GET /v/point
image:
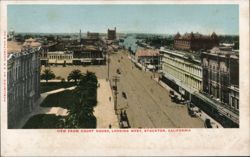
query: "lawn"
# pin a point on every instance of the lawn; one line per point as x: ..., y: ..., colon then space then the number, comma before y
x: 46, y: 87
x: 44, y: 121
x: 63, y: 99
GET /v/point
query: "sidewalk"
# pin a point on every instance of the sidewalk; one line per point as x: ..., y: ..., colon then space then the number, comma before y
x: 104, y: 111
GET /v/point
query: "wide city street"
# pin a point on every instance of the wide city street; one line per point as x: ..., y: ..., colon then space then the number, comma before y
x: 147, y: 104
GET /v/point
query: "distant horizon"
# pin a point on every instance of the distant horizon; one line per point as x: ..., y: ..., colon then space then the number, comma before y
x: 141, y: 19
x: 120, y: 33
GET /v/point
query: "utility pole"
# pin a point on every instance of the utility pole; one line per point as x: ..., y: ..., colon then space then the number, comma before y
x: 108, y: 64
x: 115, y: 79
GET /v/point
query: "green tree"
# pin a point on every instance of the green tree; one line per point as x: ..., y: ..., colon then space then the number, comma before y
x: 47, y: 75
x: 88, y: 86
x: 75, y: 75
x: 80, y: 115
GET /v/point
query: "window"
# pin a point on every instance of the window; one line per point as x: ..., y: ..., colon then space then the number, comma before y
x: 237, y: 104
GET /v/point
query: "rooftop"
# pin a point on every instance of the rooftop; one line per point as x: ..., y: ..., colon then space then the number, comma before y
x: 184, y: 54
x: 192, y: 35
x: 60, y: 52
x: 147, y: 52
x: 223, y: 52
x: 14, y: 47
x: 91, y: 48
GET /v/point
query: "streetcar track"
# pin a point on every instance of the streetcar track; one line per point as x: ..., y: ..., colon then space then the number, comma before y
x: 153, y: 99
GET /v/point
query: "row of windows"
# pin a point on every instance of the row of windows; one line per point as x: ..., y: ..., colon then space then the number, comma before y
x: 215, y: 67
x: 188, y: 68
x: 234, y: 103
x: 21, y: 68
x: 197, y: 84
x: 60, y: 57
x: 183, y: 42
x: 88, y: 55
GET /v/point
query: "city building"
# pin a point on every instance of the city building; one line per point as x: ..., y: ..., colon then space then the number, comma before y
x: 210, y: 81
x: 23, y: 83
x: 195, y: 41
x: 50, y: 47
x: 112, y: 34
x: 92, y: 35
x: 149, y: 58
x: 89, y: 54
x: 182, y: 71
x: 221, y: 77
x: 60, y: 57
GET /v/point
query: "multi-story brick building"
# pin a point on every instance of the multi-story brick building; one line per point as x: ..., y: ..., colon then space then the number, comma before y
x: 23, y: 80
x: 210, y: 81
x: 221, y: 77
x: 195, y: 41
x: 112, y: 34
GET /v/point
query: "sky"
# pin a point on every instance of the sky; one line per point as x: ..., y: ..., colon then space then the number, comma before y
x: 153, y: 18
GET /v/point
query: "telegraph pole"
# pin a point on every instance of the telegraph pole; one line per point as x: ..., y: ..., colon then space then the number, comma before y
x: 108, y: 65
x: 115, y: 79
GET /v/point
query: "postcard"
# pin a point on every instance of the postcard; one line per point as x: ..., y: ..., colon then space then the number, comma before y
x: 124, y: 78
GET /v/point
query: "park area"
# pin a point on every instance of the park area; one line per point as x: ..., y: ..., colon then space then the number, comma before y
x: 79, y: 102
x: 49, y: 86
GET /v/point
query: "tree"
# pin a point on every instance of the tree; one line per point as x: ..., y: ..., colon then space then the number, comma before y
x: 75, y: 75
x: 47, y: 75
x: 80, y: 115
x: 88, y: 86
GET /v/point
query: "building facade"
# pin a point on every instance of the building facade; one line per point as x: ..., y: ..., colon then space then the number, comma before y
x: 182, y: 72
x: 221, y: 77
x: 92, y: 35
x: 149, y: 58
x: 23, y: 83
x: 112, y: 34
x: 89, y: 55
x: 60, y: 57
x: 195, y: 41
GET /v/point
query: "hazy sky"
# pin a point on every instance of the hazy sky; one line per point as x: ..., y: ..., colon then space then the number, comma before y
x: 163, y: 19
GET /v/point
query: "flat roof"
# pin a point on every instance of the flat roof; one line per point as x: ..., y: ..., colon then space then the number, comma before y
x: 147, y: 52
x: 182, y: 54
x: 14, y: 47
x: 216, y: 51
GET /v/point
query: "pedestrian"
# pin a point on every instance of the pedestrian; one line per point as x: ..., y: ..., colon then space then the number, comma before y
x: 110, y: 98
x: 110, y: 126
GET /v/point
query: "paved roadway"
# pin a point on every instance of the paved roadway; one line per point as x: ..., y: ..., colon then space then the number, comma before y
x: 148, y: 104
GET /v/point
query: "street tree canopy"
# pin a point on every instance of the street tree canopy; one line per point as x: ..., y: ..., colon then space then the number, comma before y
x: 47, y: 75
x: 75, y: 75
